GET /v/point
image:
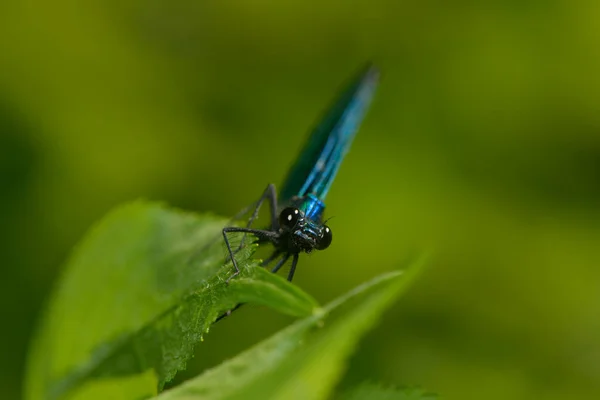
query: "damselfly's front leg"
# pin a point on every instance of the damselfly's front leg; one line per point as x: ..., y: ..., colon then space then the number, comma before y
x: 259, y: 233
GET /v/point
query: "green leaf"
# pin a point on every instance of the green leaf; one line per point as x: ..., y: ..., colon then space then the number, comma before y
x: 371, y: 391
x: 136, y: 296
x: 305, y: 360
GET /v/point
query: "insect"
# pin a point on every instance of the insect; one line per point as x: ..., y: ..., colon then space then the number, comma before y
x: 297, y: 214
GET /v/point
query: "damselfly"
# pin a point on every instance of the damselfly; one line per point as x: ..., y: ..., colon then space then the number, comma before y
x: 297, y: 213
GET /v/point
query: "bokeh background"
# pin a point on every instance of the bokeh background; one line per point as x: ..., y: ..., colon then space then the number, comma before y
x: 483, y: 143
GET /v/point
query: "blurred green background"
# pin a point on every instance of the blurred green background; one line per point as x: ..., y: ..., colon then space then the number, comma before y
x: 483, y: 142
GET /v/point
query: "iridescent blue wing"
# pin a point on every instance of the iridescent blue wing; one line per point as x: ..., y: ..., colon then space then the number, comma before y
x: 322, y: 155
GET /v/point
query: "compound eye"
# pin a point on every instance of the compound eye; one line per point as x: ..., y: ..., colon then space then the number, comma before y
x: 325, y: 240
x: 289, y: 217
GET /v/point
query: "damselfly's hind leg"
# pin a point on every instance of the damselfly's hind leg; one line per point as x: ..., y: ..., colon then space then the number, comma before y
x: 271, y: 195
x: 228, y: 313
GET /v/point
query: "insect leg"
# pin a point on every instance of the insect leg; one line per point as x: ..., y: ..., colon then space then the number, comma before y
x: 293, y: 267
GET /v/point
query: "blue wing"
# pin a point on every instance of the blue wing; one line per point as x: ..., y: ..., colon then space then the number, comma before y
x: 322, y: 155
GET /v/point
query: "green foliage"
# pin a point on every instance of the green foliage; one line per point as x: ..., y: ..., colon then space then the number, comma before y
x: 136, y: 297
x: 370, y: 391
x: 300, y: 362
x: 146, y: 284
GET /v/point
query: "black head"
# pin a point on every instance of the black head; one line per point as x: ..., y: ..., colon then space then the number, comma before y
x: 302, y: 233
